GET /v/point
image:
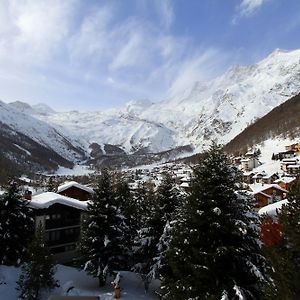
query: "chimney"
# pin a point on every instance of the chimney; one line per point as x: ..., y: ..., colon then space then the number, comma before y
x: 28, y: 195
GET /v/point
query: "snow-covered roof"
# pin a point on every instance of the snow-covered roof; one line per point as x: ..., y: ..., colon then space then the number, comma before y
x: 184, y: 185
x: 44, y: 200
x: 285, y: 179
x: 273, y: 209
x: 258, y: 187
x: 289, y: 160
x: 69, y: 184
x: 293, y: 166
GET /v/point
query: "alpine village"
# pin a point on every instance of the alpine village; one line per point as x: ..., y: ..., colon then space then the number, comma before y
x: 192, y: 197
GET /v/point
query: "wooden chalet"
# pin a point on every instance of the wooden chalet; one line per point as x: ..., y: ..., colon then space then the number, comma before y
x: 267, y: 193
x: 271, y: 231
x: 75, y: 190
x: 60, y: 217
x: 295, y: 147
x: 285, y: 182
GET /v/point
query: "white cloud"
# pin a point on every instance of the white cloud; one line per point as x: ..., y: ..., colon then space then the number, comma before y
x: 34, y: 30
x: 247, y: 8
x: 201, y: 67
x: 55, y: 47
x: 165, y: 12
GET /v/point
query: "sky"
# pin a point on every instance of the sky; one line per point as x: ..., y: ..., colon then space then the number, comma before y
x: 97, y: 54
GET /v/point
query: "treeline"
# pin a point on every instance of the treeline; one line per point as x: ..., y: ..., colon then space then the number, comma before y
x: 283, y: 120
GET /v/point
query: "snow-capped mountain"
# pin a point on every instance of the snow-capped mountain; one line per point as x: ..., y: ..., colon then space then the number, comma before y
x: 15, y: 118
x: 218, y: 109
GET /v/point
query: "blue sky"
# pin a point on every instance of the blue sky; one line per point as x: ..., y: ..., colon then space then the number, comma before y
x: 93, y: 54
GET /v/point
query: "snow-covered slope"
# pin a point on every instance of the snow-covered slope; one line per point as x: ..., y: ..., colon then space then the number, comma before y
x: 39, y: 131
x: 219, y: 109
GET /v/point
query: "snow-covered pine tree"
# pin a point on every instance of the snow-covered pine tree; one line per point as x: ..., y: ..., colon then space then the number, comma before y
x: 101, y: 245
x: 214, y: 251
x: 147, y: 237
x: 16, y: 226
x: 37, y: 273
x: 169, y: 198
x: 151, y: 242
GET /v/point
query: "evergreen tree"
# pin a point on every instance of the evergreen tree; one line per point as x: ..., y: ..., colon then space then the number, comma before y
x: 152, y: 240
x: 285, y: 257
x: 102, y: 241
x: 169, y: 199
x: 147, y: 237
x: 214, y: 250
x: 16, y: 226
x: 51, y: 186
x: 38, y: 271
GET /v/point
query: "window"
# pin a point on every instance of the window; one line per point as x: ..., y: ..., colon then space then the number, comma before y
x: 56, y: 216
x: 54, y: 235
x: 70, y: 247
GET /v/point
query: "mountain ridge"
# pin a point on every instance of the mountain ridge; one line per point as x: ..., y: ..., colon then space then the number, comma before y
x: 219, y: 109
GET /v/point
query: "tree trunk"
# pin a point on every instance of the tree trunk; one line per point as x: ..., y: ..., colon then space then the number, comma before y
x: 101, y: 281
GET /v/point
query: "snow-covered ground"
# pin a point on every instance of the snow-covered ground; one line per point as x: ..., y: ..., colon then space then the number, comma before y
x: 84, y: 285
x: 267, y: 149
x: 78, y: 170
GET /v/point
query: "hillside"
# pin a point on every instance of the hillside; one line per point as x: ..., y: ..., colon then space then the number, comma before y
x: 28, y: 144
x: 142, y: 132
x: 283, y: 120
x: 219, y: 109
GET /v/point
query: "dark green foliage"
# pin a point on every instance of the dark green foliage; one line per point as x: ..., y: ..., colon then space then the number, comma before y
x: 285, y: 258
x: 16, y: 226
x: 38, y: 271
x: 102, y: 240
x: 51, y: 186
x: 168, y: 198
x: 152, y: 240
x: 214, y: 250
x: 147, y: 236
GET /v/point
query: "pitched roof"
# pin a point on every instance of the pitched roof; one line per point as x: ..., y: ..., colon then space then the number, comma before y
x: 257, y: 188
x: 69, y: 184
x: 44, y: 200
x: 273, y: 209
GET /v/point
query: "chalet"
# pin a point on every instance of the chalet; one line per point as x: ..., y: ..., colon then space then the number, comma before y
x: 248, y: 164
x: 295, y: 147
x: 75, y: 190
x: 293, y: 169
x: 285, y: 154
x: 60, y: 217
x: 247, y: 177
x: 285, y: 163
x: 271, y: 231
x: 267, y: 193
x: 285, y: 182
x: 258, y: 177
x: 186, y: 187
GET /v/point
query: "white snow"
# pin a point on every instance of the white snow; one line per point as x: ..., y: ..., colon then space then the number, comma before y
x: 259, y: 187
x: 77, y: 170
x: 44, y: 200
x: 70, y: 184
x: 220, y: 109
x: 83, y: 285
x: 273, y: 209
